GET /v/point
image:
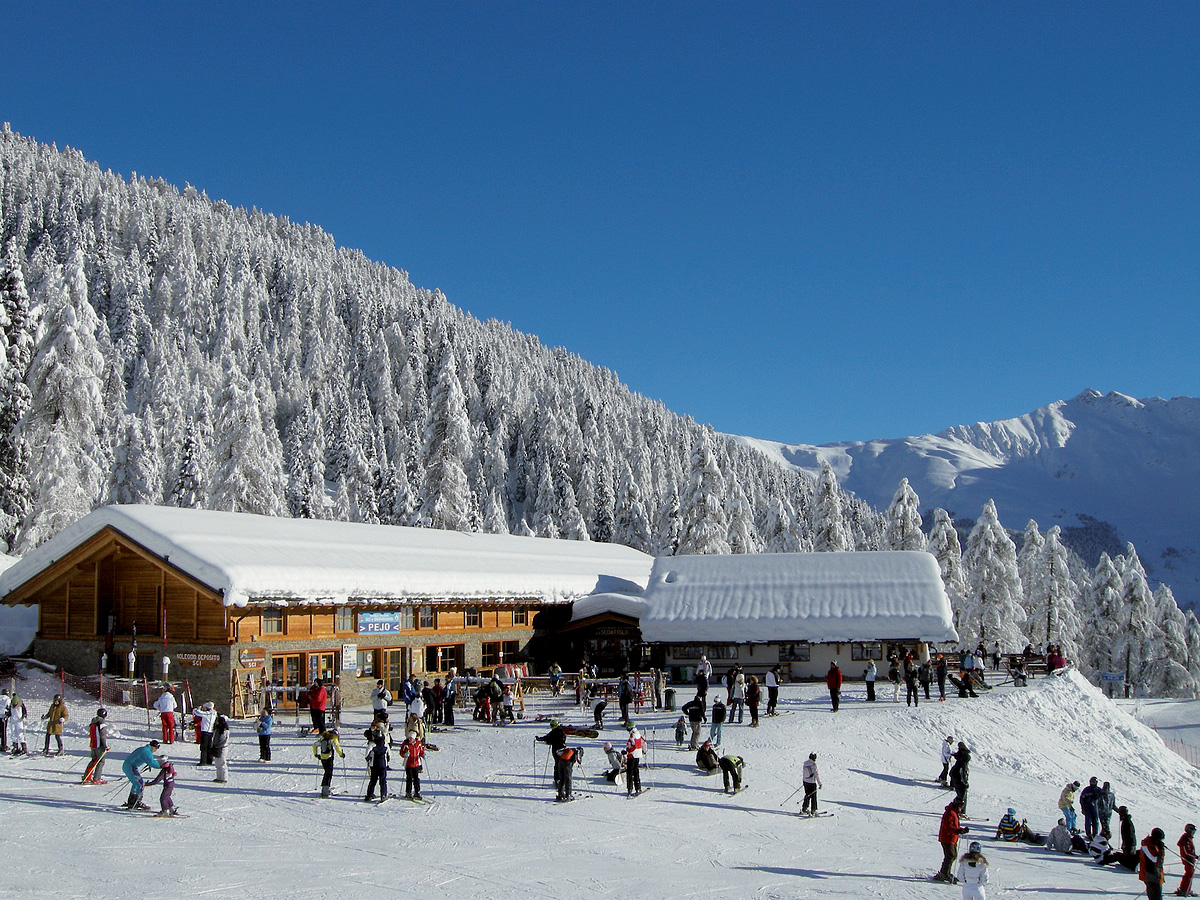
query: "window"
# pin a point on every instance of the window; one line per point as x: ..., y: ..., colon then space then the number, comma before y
x: 473, y: 617
x: 867, y: 651
x: 794, y: 652
x: 406, y: 618
x: 712, y: 651
x: 496, y: 652
x: 272, y: 621
x: 366, y: 663
x: 520, y: 617
x: 439, y: 658
x: 426, y: 618
x: 343, y: 619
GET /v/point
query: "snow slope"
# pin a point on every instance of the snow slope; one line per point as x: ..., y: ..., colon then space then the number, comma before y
x: 492, y: 831
x: 1129, y: 463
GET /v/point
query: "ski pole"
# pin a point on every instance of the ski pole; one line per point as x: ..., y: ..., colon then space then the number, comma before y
x: 791, y: 795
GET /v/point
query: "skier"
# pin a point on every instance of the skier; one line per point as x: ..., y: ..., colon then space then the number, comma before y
x: 1129, y: 848
x: 381, y: 698
x: 925, y: 677
x: 624, y: 696
x: 737, y: 697
x: 947, y: 752
x: 1059, y: 839
x: 165, y: 777
x: 973, y: 872
x: 1105, y: 805
x: 506, y: 707
x: 598, y: 713
x: 894, y: 678
x: 439, y: 699
x: 960, y: 775
x: 98, y: 742
x: 911, y: 696
x: 165, y: 705
x: 940, y: 672
x: 555, y: 676
x: 948, y: 835
x: 694, y: 710
x: 706, y: 759
x: 772, y: 690
x: 753, y: 698
x: 17, y: 714
x: 718, y: 721
x: 616, y: 762
x: 703, y: 674
x: 680, y: 732
x: 731, y: 770
x: 220, y: 744
x: 5, y: 702
x: 1187, y: 853
x: 206, y: 715
x: 318, y: 699
x: 556, y: 738
x: 263, y: 729
x: 833, y: 681
x: 1151, y: 863
x: 811, y: 779
x: 54, y: 718
x: 869, y: 677
x: 635, y: 752
x: 132, y: 767
x: 449, y: 697
x: 1066, y: 803
x: 1089, y: 802
x: 323, y: 749
x: 378, y: 760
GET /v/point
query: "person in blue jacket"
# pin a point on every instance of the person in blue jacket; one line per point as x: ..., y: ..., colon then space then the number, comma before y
x: 132, y: 767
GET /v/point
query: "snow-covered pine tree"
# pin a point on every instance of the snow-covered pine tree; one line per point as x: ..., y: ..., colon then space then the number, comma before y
x: 631, y: 524
x: 902, y: 521
x: 830, y: 533
x: 668, y: 525
x: 1102, y: 617
x: 943, y: 544
x: 16, y: 351
x: 66, y: 413
x: 705, y: 527
x: 1137, y: 636
x: 449, y: 502
x: 247, y: 472
x: 993, y: 610
x: 1167, y: 673
x: 779, y: 528
x: 1053, y: 598
x: 1029, y: 560
x: 742, y: 535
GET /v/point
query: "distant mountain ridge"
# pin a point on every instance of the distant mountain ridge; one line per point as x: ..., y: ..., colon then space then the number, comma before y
x: 1105, y: 467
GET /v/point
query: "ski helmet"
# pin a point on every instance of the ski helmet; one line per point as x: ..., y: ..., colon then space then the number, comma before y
x: 102, y: 712
x: 629, y: 726
x: 154, y: 743
x: 1158, y: 834
x: 975, y: 847
x: 163, y: 759
x: 812, y: 756
x: 554, y: 723
x: 1189, y: 828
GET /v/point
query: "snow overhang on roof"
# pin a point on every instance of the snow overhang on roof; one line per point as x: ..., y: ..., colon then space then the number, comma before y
x: 247, y: 557
x: 817, y: 597
x: 631, y: 606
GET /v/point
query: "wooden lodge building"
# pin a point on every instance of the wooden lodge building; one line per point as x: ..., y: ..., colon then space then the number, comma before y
x: 229, y: 598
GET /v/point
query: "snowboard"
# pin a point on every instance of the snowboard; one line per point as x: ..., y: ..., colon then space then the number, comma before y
x: 579, y: 731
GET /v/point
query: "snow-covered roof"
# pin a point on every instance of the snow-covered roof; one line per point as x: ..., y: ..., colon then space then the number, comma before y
x: 630, y: 605
x: 818, y: 597
x: 248, y: 557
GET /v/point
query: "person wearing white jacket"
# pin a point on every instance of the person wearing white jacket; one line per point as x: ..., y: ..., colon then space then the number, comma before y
x: 206, y: 715
x: 947, y: 755
x: 165, y: 705
x: 811, y: 779
x: 973, y: 872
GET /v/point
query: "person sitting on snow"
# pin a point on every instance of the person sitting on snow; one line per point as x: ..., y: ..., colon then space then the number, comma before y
x: 706, y: 758
x: 616, y: 762
x: 1059, y: 838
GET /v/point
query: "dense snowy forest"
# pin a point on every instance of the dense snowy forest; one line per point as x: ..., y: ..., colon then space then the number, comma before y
x: 160, y: 347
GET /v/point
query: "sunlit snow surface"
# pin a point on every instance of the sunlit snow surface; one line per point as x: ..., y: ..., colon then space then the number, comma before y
x: 493, y: 832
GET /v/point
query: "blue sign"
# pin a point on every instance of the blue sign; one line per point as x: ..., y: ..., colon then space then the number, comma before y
x: 1111, y: 677
x: 379, y: 623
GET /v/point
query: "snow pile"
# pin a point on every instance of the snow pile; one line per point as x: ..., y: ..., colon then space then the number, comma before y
x: 493, y: 832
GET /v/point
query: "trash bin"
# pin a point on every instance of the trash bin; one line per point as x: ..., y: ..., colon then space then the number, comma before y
x: 669, y: 697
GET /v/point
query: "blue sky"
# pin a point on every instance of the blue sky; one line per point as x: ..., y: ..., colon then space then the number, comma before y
x: 806, y: 222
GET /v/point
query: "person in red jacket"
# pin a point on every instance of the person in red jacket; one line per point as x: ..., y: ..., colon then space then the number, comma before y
x: 1151, y: 861
x: 412, y: 751
x: 318, y: 699
x: 948, y: 836
x: 1187, y: 853
x: 833, y: 679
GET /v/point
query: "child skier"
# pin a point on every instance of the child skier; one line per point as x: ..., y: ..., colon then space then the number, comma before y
x: 680, y: 732
x: 323, y: 749
x: 98, y: 742
x: 973, y: 872
x: 413, y: 751
x: 166, y: 777
x: 378, y: 760
x: 265, y: 721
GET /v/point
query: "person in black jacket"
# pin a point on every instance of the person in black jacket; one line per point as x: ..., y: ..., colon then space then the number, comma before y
x: 706, y: 758
x: 1089, y: 802
x: 960, y: 775
x: 1129, y: 842
x: 695, y: 710
x: 556, y: 737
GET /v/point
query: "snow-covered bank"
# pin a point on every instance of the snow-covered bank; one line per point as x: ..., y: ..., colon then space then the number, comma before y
x: 493, y: 832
